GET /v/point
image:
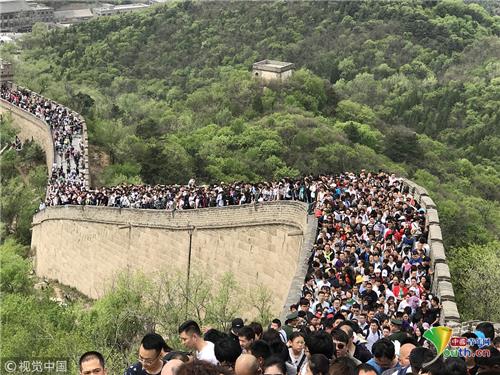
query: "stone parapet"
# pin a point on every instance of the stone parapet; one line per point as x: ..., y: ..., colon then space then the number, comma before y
x: 438, y: 254
x: 278, y: 212
x: 442, y: 272
x: 31, y: 128
x: 31, y: 131
x: 470, y: 326
x: 427, y: 201
x: 86, y: 246
x: 441, y: 285
x: 302, y: 266
x: 451, y: 311
x: 445, y: 290
x: 435, y: 233
x: 433, y: 216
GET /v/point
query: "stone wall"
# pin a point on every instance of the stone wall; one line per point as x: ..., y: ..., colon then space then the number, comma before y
x: 31, y: 127
x: 470, y: 326
x: 303, y: 265
x: 85, y: 246
x: 441, y: 282
x: 270, y: 243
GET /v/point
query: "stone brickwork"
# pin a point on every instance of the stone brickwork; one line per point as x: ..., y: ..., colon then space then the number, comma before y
x: 441, y: 283
x: 470, y: 326
x: 86, y: 246
x: 302, y: 266
x: 30, y: 127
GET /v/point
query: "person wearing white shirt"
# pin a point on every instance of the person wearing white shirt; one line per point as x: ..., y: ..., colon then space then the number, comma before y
x: 320, y: 302
x: 191, y: 337
x: 296, y: 353
x: 374, y: 334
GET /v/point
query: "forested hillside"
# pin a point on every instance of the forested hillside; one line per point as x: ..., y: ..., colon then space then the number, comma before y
x: 411, y: 87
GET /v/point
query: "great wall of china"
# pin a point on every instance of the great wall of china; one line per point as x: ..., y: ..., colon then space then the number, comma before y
x: 84, y: 246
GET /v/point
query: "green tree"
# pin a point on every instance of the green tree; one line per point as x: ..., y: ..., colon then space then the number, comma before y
x: 166, y: 161
x: 401, y: 144
x: 471, y: 266
x: 14, y: 270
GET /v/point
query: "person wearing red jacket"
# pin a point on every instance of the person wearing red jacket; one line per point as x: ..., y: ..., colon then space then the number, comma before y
x: 398, y: 289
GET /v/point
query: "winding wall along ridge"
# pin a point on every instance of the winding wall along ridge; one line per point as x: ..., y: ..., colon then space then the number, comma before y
x: 95, y: 226
x: 441, y: 283
x: 40, y: 130
x: 31, y: 127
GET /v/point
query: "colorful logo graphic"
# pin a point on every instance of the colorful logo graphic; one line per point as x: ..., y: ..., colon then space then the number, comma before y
x: 439, y: 337
x: 463, y: 347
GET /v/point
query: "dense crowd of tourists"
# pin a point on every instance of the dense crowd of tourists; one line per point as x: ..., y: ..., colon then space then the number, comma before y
x: 66, y: 129
x: 331, y: 350
x: 366, y: 301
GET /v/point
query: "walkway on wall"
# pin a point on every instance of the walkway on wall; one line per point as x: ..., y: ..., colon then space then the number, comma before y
x: 441, y: 279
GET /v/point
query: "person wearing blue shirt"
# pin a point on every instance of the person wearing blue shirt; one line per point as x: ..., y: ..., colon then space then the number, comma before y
x: 415, y: 258
x: 384, y: 356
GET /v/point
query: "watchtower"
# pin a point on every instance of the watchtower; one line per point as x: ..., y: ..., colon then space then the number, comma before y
x: 270, y: 70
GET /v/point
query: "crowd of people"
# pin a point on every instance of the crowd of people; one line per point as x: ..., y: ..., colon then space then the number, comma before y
x: 365, y: 304
x: 67, y: 174
x: 178, y: 197
x: 366, y: 301
x: 67, y: 185
x: 336, y: 350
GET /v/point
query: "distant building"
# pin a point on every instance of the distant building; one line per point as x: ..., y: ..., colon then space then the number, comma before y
x: 73, y: 16
x: 18, y: 15
x: 111, y: 10
x: 269, y: 70
x: 6, y: 71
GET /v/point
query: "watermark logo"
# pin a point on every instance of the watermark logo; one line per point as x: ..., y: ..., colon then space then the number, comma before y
x: 439, y: 337
x: 55, y: 366
x: 450, y: 346
x: 464, y: 347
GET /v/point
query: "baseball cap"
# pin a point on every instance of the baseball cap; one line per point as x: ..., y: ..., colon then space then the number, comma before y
x: 236, y: 324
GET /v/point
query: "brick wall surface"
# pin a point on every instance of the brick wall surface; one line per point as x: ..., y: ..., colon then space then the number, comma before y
x: 30, y: 127
x: 441, y: 283
x: 85, y: 247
